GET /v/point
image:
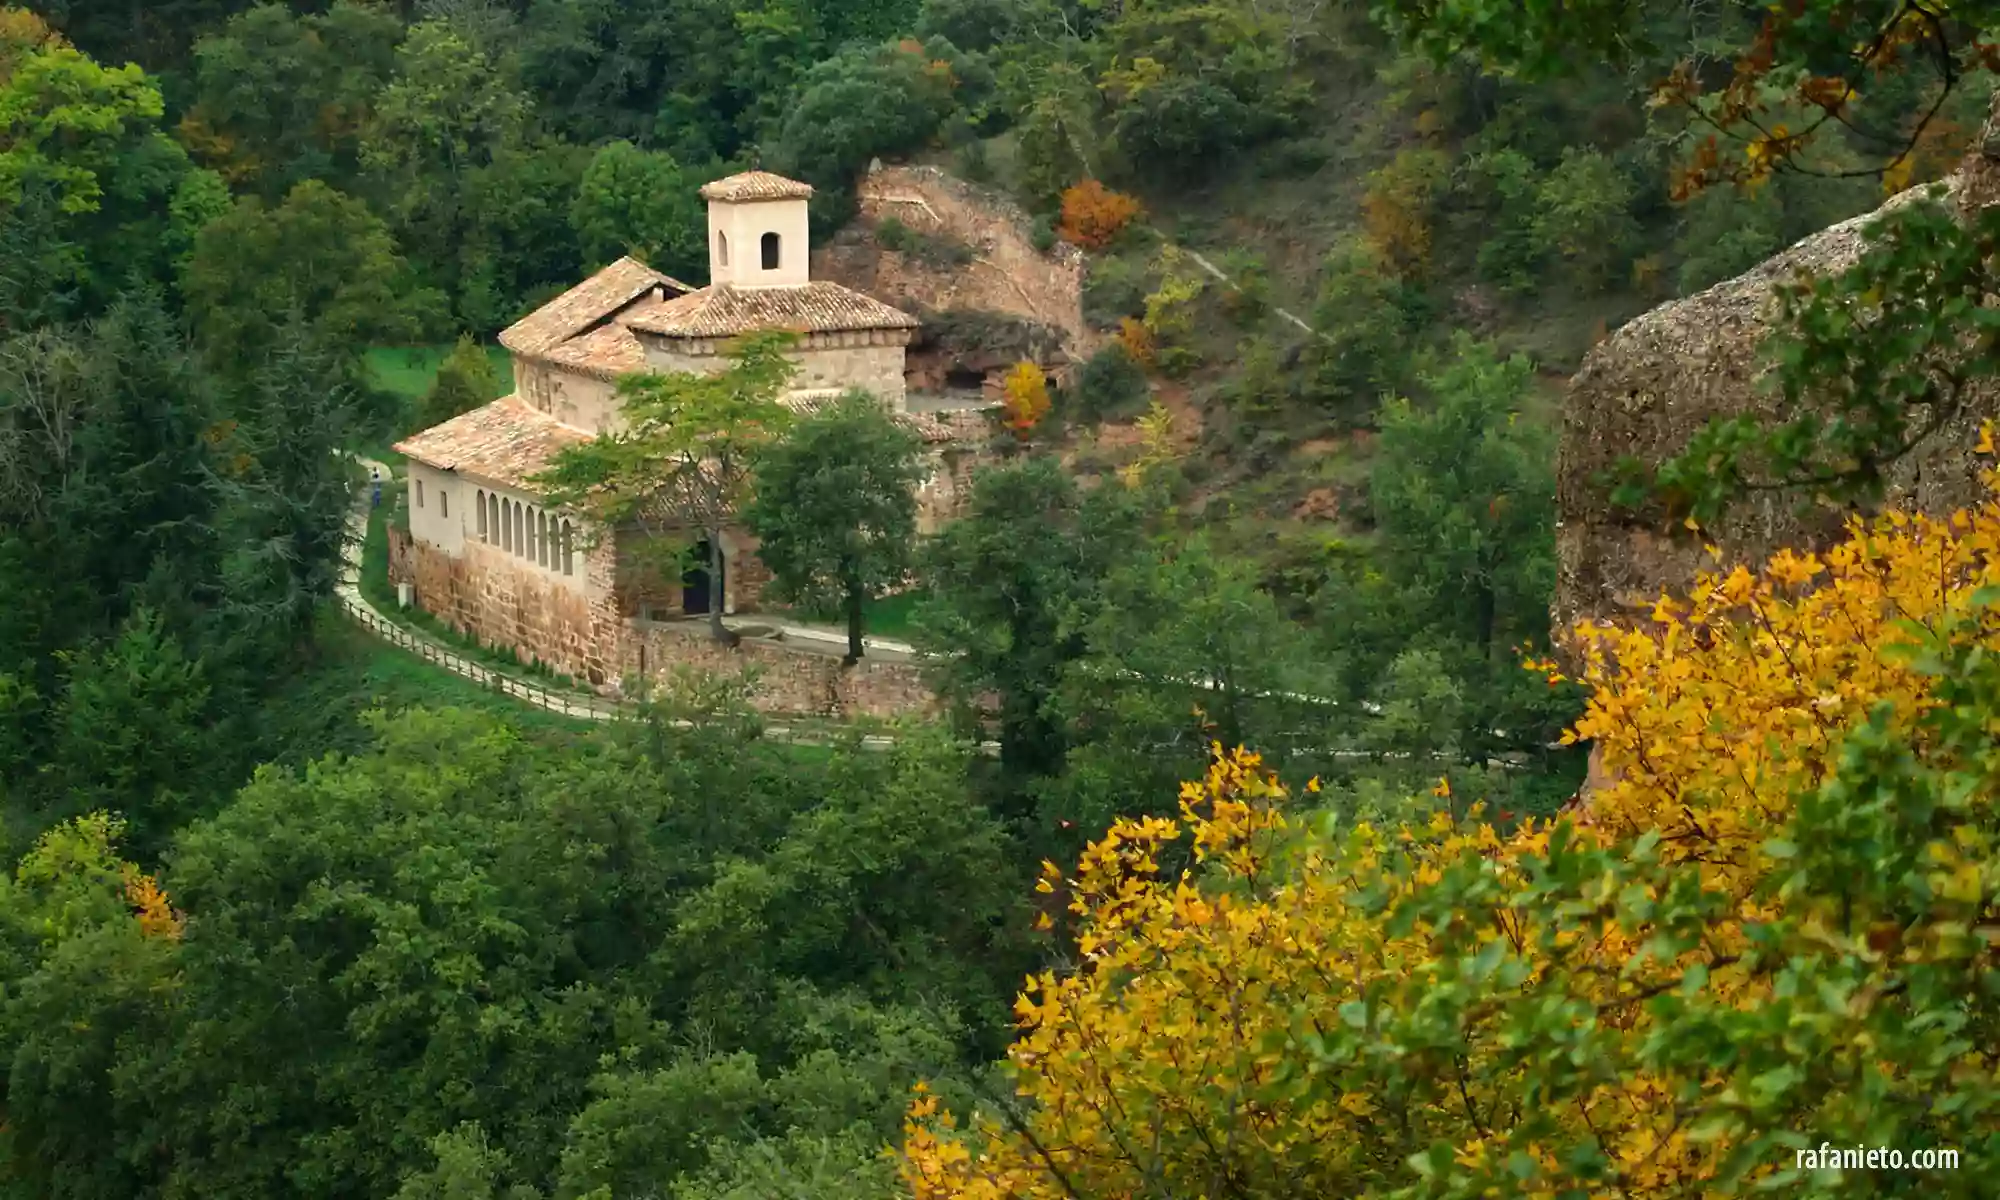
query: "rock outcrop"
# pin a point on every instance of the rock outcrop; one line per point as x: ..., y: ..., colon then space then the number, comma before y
x: 1659, y: 379
x: 1002, y: 273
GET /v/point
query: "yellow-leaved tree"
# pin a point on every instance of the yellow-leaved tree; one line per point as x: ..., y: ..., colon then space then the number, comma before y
x: 1025, y: 400
x: 1771, y: 940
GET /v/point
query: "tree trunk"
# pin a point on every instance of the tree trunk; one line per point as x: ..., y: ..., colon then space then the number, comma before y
x: 854, y: 598
x: 718, y: 590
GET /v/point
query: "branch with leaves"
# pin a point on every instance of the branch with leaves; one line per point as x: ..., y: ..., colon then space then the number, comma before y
x: 683, y: 457
x: 1798, y: 71
x: 1870, y: 362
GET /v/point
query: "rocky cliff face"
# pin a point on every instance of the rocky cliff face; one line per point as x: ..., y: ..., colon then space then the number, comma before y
x: 1655, y: 382
x: 999, y: 289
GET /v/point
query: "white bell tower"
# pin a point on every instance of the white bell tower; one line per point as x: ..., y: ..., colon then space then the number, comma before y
x: 757, y: 231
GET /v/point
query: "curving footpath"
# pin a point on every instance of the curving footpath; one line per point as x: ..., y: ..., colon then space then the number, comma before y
x: 568, y: 702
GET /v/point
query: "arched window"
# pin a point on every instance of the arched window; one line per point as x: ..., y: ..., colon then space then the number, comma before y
x: 770, y: 252
x: 520, y: 528
x: 542, y: 539
x: 492, y: 519
x: 507, y: 526
x: 568, y: 551
x: 721, y: 248
x: 534, y: 542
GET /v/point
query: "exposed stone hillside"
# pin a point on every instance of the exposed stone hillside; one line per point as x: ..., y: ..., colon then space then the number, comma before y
x: 974, y: 255
x: 1650, y: 386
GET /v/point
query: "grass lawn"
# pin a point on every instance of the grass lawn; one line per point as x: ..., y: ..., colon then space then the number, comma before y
x: 883, y: 617
x: 889, y: 616
x: 320, y: 709
x: 408, y: 371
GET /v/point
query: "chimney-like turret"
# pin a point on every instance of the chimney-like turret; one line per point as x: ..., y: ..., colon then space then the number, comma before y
x: 757, y: 232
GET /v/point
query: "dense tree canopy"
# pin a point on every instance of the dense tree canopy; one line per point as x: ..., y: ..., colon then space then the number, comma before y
x: 835, y: 508
x: 1284, y: 526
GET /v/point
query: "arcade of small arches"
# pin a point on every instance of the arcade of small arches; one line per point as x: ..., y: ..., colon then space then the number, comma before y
x: 526, y: 532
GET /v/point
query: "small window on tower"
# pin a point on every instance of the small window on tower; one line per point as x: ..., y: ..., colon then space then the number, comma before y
x: 444, y: 503
x: 420, y: 493
x: 770, y: 252
x: 721, y: 248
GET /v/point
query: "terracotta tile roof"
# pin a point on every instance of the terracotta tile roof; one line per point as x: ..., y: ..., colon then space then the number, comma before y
x: 587, y: 304
x: 756, y: 185
x: 725, y: 311
x: 605, y: 352
x: 503, y: 442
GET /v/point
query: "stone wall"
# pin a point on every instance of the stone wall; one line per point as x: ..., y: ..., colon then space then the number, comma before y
x: 399, y: 555
x: 864, y: 358
x: 571, y: 397
x: 944, y: 494
x: 789, y: 681
x: 1007, y: 274
x: 485, y: 594
x: 492, y: 596
x: 648, y: 588
x: 879, y: 369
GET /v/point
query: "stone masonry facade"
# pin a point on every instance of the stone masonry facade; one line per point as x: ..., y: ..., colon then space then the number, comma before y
x: 483, y: 554
x: 786, y: 681
x: 483, y: 595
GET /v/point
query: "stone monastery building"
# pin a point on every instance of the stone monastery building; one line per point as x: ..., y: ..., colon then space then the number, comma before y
x: 483, y: 552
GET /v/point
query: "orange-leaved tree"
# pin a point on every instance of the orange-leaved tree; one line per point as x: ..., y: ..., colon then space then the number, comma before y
x: 1093, y: 215
x: 1775, y: 929
x: 1136, y: 339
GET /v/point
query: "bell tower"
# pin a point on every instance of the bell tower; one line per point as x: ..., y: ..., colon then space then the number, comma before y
x: 757, y: 231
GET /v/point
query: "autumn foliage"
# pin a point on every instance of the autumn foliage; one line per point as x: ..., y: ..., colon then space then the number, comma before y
x: 1026, y: 400
x: 1776, y: 926
x: 1093, y: 215
x: 1396, y: 209
x: 1136, y: 339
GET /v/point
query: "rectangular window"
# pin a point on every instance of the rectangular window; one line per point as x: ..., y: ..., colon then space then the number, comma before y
x: 444, y: 503
x: 420, y: 493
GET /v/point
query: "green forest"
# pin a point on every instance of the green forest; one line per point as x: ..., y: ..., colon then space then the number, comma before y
x: 286, y: 911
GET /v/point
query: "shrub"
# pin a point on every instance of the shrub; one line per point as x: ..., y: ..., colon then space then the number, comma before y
x: 1397, y: 209
x: 1362, y: 349
x: 927, y: 248
x: 1170, y: 312
x: 1110, y: 385
x: 1183, y: 127
x: 1136, y: 340
x: 465, y: 380
x: 1115, y: 288
x: 1093, y: 215
x: 1583, y: 214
